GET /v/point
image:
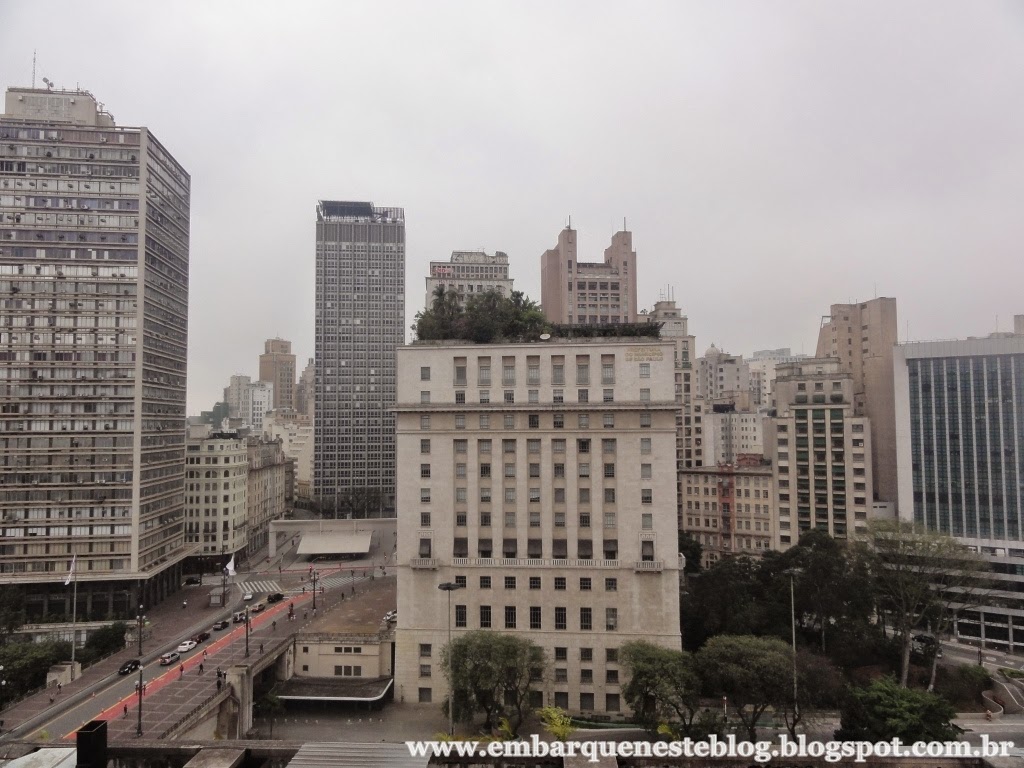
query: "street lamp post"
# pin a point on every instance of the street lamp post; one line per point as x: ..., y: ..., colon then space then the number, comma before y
x: 141, y: 619
x: 315, y: 575
x: 449, y: 587
x: 138, y: 729
x: 792, y: 620
x: 247, y: 631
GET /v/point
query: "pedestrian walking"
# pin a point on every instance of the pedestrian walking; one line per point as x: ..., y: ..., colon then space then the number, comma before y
x: 144, y: 689
x: 51, y: 698
x: 305, y: 615
x: 218, y: 682
x: 184, y: 604
x: 201, y: 668
x: 261, y: 649
x: 181, y: 671
x: 126, y: 710
x: 60, y: 687
x: 274, y: 626
x: 204, y: 655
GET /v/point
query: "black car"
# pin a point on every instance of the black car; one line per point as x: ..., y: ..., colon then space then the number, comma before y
x: 275, y: 598
x: 129, y: 666
x: 221, y: 625
x: 202, y: 637
x: 192, y: 581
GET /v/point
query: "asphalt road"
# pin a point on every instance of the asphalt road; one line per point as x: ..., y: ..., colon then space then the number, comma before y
x: 170, y: 694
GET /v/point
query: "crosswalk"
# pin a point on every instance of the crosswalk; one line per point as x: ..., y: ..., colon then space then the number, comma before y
x: 256, y: 587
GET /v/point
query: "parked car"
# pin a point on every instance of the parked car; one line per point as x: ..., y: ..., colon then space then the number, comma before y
x: 129, y: 666
x: 259, y: 607
x: 275, y: 598
x: 187, y: 646
x: 247, y: 596
x: 221, y: 625
x: 201, y: 637
x: 238, y: 617
x: 192, y: 581
x: 169, y: 658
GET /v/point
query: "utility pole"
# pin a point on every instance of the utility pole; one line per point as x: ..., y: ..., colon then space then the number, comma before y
x: 138, y: 729
x: 449, y: 587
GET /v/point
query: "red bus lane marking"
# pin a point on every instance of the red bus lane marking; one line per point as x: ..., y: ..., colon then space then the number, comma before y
x: 192, y: 662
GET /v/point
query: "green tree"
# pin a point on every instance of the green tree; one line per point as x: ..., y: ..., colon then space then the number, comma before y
x: 754, y: 672
x: 821, y: 685
x: 663, y: 686
x: 691, y: 549
x: 886, y: 710
x: 491, y: 673
x: 558, y: 724
x: 104, y: 641
x: 921, y: 576
x: 12, y: 612
x: 26, y: 664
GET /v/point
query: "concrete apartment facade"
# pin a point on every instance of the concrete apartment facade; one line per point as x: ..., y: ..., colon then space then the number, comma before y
x: 277, y: 365
x: 589, y: 293
x: 267, y: 493
x: 721, y: 375
x: 861, y: 336
x: 305, y: 390
x: 762, y: 365
x: 261, y: 402
x: 94, y: 255
x: 295, y: 431
x: 730, y: 433
x: 216, y: 495
x: 730, y: 508
x: 468, y: 273
x: 820, y: 451
x: 547, y: 486
x: 959, y: 409
x: 360, y: 322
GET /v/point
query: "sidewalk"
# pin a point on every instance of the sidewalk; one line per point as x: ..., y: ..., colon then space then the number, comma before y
x: 168, y: 622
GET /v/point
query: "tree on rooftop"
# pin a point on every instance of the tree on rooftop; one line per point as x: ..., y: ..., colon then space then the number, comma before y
x: 486, y: 317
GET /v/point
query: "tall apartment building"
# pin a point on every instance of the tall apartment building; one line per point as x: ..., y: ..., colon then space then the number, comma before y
x: 94, y: 251
x: 589, y: 293
x: 730, y: 508
x: 762, y: 371
x: 675, y: 328
x: 267, y: 493
x: 277, y: 365
x: 469, y: 273
x: 730, y: 432
x: 820, y: 451
x: 237, y: 396
x: 216, y: 496
x: 721, y: 375
x: 360, y: 322
x: 305, y: 390
x: 295, y: 431
x: 861, y: 336
x: 547, y: 487
x: 960, y: 449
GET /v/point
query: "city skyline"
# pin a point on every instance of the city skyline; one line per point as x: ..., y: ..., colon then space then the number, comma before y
x: 819, y: 153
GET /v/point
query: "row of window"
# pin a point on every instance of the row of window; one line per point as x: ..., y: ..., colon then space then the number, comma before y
x: 533, y: 396
x: 558, y: 518
x: 508, y: 370
x: 535, y: 619
x: 533, y: 421
x: 534, y: 497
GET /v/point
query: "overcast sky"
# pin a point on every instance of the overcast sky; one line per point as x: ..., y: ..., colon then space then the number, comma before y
x: 771, y: 158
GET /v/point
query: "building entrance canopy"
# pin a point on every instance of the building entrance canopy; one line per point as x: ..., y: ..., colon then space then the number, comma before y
x: 319, y: 544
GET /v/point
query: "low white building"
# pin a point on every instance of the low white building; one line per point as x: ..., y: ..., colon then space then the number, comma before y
x: 295, y: 431
x: 469, y: 273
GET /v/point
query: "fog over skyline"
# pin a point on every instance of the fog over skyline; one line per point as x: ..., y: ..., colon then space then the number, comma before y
x: 771, y: 159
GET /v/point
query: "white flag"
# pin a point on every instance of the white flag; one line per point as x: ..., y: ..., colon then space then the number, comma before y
x: 230, y: 567
x: 71, y: 573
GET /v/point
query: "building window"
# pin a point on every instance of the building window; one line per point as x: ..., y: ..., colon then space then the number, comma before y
x: 425, y: 373
x: 645, y: 445
x: 424, y: 670
x: 424, y: 422
x: 485, y: 470
x: 584, y: 519
x: 583, y: 420
x: 510, y: 617
x: 510, y: 582
x: 535, y: 582
x: 609, y: 495
x: 424, y: 696
x: 558, y: 421
x: 646, y: 496
x: 510, y: 421
x: 584, y: 469
x: 611, y: 619
x: 533, y: 421
x: 611, y: 585
x: 586, y: 619
x: 607, y: 373
x: 582, y: 396
x: 510, y: 396
x: 535, y: 620
x: 424, y: 519
x: 460, y: 616
x: 485, y: 421
x: 460, y: 398
x: 645, y: 420
x: 424, y: 446
x: 485, y: 582
x: 460, y: 421
x: 424, y: 397
x: 645, y: 471
x: 608, y: 396
x: 424, y: 495
x: 608, y: 421
x: 485, y: 396
x: 586, y: 678
x: 611, y: 702
x: 609, y: 470
x: 647, y: 521
x: 611, y: 655
x: 424, y: 470
x: 559, y: 583
x: 560, y: 618
x: 645, y: 370
x: 585, y: 584
x: 485, y: 617
x: 645, y: 395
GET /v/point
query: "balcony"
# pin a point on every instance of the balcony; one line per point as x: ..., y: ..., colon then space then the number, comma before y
x: 648, y: 566
x: 424, y: 563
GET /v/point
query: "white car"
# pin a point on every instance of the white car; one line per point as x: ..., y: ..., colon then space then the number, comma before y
x: 187, y: 646
x: 247, y: 596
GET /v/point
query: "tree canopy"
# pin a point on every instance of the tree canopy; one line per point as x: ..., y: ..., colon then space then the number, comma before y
x: 886, y: 710
x: 490, y: 673
x: 486, y: 317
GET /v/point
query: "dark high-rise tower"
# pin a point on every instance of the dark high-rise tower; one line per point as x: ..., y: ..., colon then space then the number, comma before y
x: 360, y: 320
